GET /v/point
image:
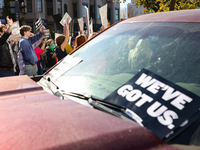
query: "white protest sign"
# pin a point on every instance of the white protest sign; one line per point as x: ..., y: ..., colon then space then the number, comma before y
x: 64, y: 19
x: 57, y: 34
x: 81, y: 23
x: 15, y: 31
x: 87, y: 19
x: 68, y: 62
x: 103, y: 14
x: 91, y: 27
x: 38, y: 24
x: 46, y: 33
x: 37, y: 43
x: 69, y: 41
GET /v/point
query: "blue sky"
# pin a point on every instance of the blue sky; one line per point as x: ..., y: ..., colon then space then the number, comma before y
x: 124, y: 5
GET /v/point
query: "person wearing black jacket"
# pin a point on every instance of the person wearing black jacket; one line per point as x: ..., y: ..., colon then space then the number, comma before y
x: 50, y: 53
x: 7, y: 61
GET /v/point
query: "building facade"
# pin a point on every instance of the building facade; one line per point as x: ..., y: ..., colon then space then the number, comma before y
x: 134, y: 10
x: 46, y: 9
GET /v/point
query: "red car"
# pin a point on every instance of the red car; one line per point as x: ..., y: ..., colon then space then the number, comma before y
x: 133, y: 86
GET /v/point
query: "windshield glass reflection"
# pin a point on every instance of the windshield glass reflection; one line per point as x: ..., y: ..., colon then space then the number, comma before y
x: 170, y: 50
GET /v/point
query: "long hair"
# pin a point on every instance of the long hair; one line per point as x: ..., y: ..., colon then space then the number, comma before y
x: 59, y: 40
x: 80, y: 39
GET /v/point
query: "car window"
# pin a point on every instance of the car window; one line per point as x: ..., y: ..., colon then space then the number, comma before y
x: 170, y: 50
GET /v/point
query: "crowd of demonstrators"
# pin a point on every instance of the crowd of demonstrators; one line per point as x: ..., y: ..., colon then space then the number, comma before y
x: 22, y: 57
x: 7, y: 60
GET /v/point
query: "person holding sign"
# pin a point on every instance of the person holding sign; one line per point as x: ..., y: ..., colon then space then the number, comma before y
x: 25, y: 44
x: 7, y: 60
x: 39, y: 50
x: 7, y: 33
x: 50, y: 54
x: 80, y: 39
x: 62, y: 41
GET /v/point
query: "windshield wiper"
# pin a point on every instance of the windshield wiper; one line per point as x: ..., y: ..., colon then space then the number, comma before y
x: 53, y: 87
x: 88, y: 96
x: 118, y: 111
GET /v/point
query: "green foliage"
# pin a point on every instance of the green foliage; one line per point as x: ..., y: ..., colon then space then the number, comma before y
x: 166, y: 5
x: 7, y: 12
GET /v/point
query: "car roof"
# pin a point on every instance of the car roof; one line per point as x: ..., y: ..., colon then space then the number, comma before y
x: 191, y: 15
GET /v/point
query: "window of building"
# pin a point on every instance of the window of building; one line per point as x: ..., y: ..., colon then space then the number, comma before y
x: 92, y: 11
x: 83, y: 9
x: 75, y: 10
x: 29, y: 5
x: 136, y: 6
x: 116, y: 14
x: 39, y: 6
x: 140, y: 12
x: 49, y: 7
x: 1, y: 4
x: 137, y: 12
x: 59, y: 5
x: 65, y: 8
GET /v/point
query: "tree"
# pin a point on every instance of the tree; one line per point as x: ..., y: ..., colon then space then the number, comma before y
x: 6, y: 9
x: 7, y: 12
x: 165, y: 5
x: 127, y: 13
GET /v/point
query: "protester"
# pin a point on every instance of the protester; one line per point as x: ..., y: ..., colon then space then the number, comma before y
x: 50, y: 54
x: 7, y: 60
x: 43, y: 59
x: 29, y: 57
x: 80, y: 39
x: 68, y: 48
x: 39, y: 50
x: 7, y: 33
x: 61, y: 42
x: 15, y: 49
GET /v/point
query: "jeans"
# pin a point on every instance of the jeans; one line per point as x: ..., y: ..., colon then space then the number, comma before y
x: 6, y: 73
x: 30, y: 70
x: 40, y: 70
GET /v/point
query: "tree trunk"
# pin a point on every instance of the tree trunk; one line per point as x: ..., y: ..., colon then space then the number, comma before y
x: 172, y: 5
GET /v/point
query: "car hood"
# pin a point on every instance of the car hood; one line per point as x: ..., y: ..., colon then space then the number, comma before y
x: 34, y: 119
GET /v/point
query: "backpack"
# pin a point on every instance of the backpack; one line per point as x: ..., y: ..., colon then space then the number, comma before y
x: 20, y: 61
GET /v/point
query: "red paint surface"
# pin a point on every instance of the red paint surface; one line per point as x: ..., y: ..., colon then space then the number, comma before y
x: 172, y: 16
x: 33, y: 119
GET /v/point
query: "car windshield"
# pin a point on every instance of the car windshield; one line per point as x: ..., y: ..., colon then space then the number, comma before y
x: 171, y: 50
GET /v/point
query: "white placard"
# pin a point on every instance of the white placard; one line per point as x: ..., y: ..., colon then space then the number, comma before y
x: 64, y: 19
x: 87, y: 19
x: 46, y: 33
x: 81, y: 23
x: 15, y: 31
x: 91, y: 27
x: 68, y: 62
x: 103, y: 14
x: 57, y: 34
x: 38, y: 24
